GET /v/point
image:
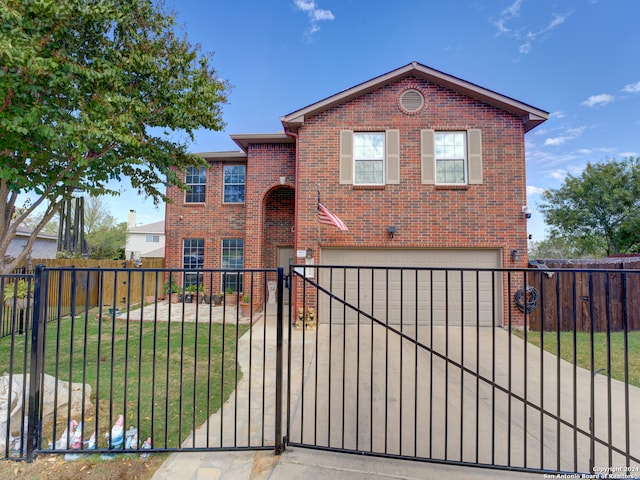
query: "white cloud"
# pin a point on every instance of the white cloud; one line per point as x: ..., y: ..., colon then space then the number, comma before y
x: 628, y: 154
x: 598, y: 100
x: 531, y: 190
x: 558, y: 174
x: 558, y: 114
x: 568, y: 134
x: 314, y: 13
x: 554, y: 141
x: 632, y: 88
x: 512, y: 13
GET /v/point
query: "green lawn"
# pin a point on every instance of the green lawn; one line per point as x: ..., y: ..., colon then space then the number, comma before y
x: 168, y: 378
x: 583, y: 350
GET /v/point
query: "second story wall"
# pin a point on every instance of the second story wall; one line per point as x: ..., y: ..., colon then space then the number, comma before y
x: 485, y: 213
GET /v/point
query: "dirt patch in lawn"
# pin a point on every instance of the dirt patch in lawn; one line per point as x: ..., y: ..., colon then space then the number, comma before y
x: 123, y: 467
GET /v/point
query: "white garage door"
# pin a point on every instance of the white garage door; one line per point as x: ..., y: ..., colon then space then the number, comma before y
x: 412, y: 295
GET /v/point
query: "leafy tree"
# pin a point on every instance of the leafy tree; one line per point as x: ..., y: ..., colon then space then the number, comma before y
x: 107, y: 242
x: 556, y: 247
x: 598, y: 210
x: 91, y: 92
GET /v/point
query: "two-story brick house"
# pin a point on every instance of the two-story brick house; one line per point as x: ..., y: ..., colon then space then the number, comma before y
x: 425, y: 169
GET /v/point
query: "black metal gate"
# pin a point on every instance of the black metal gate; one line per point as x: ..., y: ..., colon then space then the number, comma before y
x: 418, y: 385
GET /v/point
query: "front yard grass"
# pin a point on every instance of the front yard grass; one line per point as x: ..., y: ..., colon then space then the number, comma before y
x: 166, y: 379
x: 583, y: 350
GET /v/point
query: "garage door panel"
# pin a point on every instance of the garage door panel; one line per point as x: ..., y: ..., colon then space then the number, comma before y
x: 410, y: 296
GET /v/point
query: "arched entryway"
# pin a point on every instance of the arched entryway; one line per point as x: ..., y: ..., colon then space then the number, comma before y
x: 277, y: 228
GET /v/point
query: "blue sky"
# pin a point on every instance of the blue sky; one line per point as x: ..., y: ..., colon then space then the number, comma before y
x: 577, y: 59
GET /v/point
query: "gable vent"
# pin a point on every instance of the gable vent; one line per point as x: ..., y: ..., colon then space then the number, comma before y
x: 411, y: 101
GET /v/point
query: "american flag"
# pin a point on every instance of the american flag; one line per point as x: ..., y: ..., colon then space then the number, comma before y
x: 325, y: 216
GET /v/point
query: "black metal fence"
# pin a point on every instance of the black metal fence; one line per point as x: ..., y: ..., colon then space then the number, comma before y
x: 435, y: 365
x: 173, y: 374
x: 416, y: 363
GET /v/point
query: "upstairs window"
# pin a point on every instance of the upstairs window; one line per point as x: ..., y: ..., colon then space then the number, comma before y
x: 153, y: 238
x: 451, y: 157
x: 368, y: 158
x: 234, y: 182
x: 196, y: 181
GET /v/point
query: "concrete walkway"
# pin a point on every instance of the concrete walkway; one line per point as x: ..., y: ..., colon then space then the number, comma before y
x: 377, y: 402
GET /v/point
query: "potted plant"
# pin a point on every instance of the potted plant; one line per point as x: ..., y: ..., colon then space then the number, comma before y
x: 16, y: 294
x: 245, y: 305
x: 231, y: 296
x: 190, y: 294
x: 217, y: 299
x: 172, y: 290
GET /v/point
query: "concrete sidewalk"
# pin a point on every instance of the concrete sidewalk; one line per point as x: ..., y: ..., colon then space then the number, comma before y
x: 311, y: 464
x: 383, y: 357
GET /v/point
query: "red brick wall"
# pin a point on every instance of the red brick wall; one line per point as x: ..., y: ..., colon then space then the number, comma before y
x: 486, y: 215
x: 214, y: 221
x: 429, y: 216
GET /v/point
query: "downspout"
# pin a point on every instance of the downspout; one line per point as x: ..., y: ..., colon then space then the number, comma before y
x: 295, y: 217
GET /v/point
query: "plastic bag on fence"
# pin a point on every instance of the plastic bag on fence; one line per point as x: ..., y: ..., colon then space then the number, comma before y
x: 18, y: 385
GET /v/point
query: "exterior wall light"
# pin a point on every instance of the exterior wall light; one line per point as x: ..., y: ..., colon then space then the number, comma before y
x: 392, y: 230
x: 309, y: 253
x: 515, y: 255
x: 527, y: 211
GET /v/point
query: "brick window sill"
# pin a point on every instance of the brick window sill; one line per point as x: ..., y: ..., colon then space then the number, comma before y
x: 369, y: 187
x: 452, y: 187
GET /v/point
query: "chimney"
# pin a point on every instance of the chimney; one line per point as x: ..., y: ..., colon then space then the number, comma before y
x: 131, y: 219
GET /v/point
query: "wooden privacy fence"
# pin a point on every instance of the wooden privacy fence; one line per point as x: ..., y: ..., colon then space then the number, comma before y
x: 117, y: 282
x: 606, y: 291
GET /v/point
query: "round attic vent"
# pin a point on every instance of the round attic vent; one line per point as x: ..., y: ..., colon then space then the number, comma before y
x: 411, y: 101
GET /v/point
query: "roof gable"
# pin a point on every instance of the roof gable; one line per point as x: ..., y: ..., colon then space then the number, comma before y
x: 530, y: 116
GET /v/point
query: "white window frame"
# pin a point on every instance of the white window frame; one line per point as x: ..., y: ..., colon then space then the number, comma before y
x: 190, y: 172
x: 153, y: 239
x: 362, y: 157
x: 224, y: 183
x: 440, y: 156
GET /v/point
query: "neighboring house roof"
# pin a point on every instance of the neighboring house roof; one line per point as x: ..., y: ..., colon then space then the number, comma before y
x: 42, y: 236
x: 157, y: 253
x: 156, y: 227
x: 531, y: 116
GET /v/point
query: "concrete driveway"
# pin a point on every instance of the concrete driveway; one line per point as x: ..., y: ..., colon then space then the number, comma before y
x: 358, y: 388
x: 375, y: 390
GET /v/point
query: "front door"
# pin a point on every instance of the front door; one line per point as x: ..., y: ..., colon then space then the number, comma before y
x: 285, y: 259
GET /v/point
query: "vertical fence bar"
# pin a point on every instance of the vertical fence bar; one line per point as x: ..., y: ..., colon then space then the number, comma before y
x: 35, y: 371
x: 592, y: 401
x: 574, y: 362
x: 609, y: 406
x: 542, y: 332
x: 510, y: 371
x: 625, y: 323
x: 279, y: 443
